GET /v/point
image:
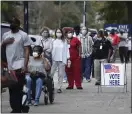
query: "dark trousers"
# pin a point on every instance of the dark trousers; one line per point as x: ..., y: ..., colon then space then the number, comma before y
x: 93, y: 67
x: 123, y: 54
x: 129, y: 54
x: 16, y: 94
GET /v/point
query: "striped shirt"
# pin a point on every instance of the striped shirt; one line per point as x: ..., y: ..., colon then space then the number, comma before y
x: 87, y: 43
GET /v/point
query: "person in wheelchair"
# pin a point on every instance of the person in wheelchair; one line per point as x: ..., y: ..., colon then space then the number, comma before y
x: 38, y: 66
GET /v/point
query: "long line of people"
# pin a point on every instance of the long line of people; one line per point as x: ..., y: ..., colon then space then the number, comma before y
x: 75, y: 53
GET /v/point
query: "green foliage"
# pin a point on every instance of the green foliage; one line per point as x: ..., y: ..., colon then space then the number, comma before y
x: 114, y: 12
x: 8, y: 10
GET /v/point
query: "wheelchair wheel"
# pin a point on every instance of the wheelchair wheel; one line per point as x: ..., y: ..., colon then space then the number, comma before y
x: 46, y: 100
x: 45, y: 90
x: 51, y: 95
x: 51, y: 90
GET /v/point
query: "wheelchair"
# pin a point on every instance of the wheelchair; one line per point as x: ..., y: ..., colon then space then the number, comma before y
x: 47, y: 88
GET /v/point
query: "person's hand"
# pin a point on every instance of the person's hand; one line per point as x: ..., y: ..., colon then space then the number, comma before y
x: 24, y: 70
x: 42, y: 55
x: 9, y: 41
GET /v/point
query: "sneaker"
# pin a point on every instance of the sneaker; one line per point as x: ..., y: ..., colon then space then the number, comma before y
x: 88, y: 80
x: 79, y: 88
x: 64, y: 81
x: 97, y: 83
x: 36, y: 103
x: 69, y: 88
x: 59, y: 91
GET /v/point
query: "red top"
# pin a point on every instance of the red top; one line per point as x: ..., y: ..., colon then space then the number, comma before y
x: 115, y: 39
x: 74, y: 48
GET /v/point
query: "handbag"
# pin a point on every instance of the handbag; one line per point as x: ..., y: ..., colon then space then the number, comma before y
x: 8, y: 78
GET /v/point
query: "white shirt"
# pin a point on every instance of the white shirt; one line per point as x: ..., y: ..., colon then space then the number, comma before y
x: 15, y: 51
x: 129, y: 45
x: 60, y: 51
x: 123, y: 40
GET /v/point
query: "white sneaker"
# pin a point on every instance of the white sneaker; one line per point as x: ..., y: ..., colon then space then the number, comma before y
x: 64, y: 81
x: 88, y: 80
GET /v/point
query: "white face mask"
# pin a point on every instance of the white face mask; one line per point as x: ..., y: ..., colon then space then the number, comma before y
x: 84, y: 32
x: 45, y: 35
x: 70, y: 35
x: 35, y: 54
x: 59, y: 35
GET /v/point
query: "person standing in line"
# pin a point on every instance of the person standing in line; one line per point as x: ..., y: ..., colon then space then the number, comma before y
x: 86, y: 56
x: 107, y: 36
x: 123, y: 47
x: 46, y: 43
x: 17, y: 52
x: 77, y: 32
x: 129, y: 53
x: 115, y: 42
x: 73, y: 70
x: 102, y: 49
x: 60, y: 55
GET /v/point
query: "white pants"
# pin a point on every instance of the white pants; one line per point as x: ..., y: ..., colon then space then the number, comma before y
x: 61, y: 71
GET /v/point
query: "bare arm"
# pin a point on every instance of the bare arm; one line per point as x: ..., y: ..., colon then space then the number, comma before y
x: 26, y: 53
x: 46, y: 64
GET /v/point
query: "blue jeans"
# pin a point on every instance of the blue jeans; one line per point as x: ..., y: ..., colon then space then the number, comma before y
x: 86, y: 67
x: 65, y: 77
x: 28, y: 85
x: 38, y: 85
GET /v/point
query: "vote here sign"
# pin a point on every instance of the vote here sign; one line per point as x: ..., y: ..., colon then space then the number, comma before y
x: 112, y: 74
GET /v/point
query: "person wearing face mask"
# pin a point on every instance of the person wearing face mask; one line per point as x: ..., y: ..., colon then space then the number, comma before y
x: 46, y: 43
x: 17, y: 45
x: 102, y: 50
x: 60, y: 54
x: 123, y: 47
x: 73, y: 71
x: 86, y: 56
x: 77, y: 32
x: 38, y: 66
x: 115, y: 41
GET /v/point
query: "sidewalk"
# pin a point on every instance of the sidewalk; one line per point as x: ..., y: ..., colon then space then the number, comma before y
x: 86, y: 101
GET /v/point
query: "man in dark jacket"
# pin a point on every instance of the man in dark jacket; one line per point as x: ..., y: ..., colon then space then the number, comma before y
x: 102, y: 49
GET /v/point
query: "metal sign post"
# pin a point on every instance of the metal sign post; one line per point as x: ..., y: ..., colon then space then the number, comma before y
x: 121, y: 81
x: 84, y: 13
x: 26, y: 16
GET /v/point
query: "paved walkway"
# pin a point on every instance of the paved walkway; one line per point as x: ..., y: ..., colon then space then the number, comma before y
x: 86, y: 101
